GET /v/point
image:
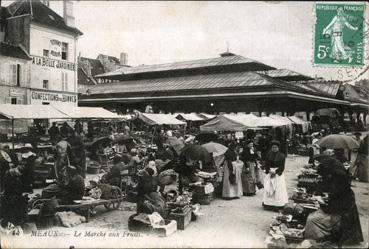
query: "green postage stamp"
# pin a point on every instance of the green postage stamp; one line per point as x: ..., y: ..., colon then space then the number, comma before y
x: 339, y: 34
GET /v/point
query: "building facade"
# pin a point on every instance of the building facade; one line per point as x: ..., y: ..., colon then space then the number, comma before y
x: 51, y: 43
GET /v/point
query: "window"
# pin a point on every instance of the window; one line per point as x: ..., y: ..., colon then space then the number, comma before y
x: 64, y: 51
x: 14, y: 101
x: 45, y: 84
x: 46, y: 53
x: 13, y: 74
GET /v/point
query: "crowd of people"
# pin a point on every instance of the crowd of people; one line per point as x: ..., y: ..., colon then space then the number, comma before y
x: 252, y: 161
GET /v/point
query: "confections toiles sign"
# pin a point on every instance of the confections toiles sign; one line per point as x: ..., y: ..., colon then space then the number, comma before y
x: 47, y: 96
x: 47, y: 62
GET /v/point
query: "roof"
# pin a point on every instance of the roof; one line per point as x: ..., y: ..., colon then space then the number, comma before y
x: 84, y: 81
x: 285, y: 74
x: 327, y: 87
x: 96, y: 66
x: 15, y: 51
x: 8, y: 111
x: 185, y: 65
x: 112, y: 59
x: 41, y: 14
x: 234, y: 80
x: 159, y: 119
x: 207, y: 116
x: 355, y: 94
x: 230, y: 122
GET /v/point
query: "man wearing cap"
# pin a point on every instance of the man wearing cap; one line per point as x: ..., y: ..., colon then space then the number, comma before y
x: 69, y: 184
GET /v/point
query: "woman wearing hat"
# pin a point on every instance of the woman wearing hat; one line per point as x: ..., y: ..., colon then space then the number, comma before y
x: 275, y: 192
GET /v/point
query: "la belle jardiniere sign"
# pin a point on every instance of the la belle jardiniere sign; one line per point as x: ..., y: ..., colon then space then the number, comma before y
x: 47, y: 62
x: 339, y: 34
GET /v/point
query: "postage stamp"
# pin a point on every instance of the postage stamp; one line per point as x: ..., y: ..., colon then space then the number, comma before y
x: 339, y: 34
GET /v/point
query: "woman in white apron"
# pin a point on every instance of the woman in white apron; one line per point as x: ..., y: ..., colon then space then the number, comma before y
x: 275, y: 192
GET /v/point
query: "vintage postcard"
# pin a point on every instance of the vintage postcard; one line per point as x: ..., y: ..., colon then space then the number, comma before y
x: 175, y: 124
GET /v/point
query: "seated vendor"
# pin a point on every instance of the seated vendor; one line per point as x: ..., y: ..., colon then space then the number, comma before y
x: 114, y: 175
x: 148, y: 199
x: 338, y: 220
x: 69, y: 184
x: 17, y: 182
x: 186, y: 169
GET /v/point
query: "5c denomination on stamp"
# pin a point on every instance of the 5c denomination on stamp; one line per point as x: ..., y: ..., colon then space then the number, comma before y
x: 339, y: 34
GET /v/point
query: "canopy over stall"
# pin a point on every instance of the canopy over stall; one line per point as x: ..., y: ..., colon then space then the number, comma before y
x: 206, y: 116
x: 88, y: 112
x: 159, y: 119
x: 8, y: 111
x: 189, y: 117
x: 230, y: 122
x: 305, y: 124
x: 268, y: 122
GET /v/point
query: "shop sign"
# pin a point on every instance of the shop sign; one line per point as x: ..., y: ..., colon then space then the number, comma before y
x: 16, y: 92
x: 47, y: 62
x: 55, y: 48
x: 49, y: 96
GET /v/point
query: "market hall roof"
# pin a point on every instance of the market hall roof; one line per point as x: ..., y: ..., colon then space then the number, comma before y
x: 220, y: 81
x: 41, y: 14
x: 237, y: 62
x: 15, y: 51
x: 234, y: 84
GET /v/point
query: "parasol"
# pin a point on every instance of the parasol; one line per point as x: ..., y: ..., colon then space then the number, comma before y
x: 177, y: 144
x: 337, y: 141
x: 215, y: 148
x: 196, y: 153
x: 123, y: 139
x: 331, y: 112
x: 206, y: 137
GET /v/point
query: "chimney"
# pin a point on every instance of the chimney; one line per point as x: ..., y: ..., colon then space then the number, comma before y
x: 68, y: 13
x: 123, y: 59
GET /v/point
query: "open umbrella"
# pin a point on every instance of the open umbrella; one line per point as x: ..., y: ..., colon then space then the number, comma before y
x: 196, y: 153
x: 177, y: 144
x: 215, y: 148
x: 337, y: 141
x: 331, y: 112
x: 206, y: 137
x: 123, y: 139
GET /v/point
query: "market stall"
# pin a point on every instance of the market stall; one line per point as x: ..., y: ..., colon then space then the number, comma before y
x: 230, y: 122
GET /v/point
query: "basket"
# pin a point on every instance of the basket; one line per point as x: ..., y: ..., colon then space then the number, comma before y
x: 93, y: 169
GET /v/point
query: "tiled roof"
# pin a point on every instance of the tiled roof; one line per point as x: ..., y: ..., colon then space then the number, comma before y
x: 329, y: 88
x: 285, y: 74
x: 96, y: 66
x: 10, y: 50
x: 83, y: 79
x: 41, y: 14
x: 234, y: 80
x: 183, y: 65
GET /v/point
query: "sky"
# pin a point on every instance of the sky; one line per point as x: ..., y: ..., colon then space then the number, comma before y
x: 279, y: 34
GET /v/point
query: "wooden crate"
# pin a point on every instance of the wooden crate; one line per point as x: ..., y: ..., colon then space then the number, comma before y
x: 182, y: 219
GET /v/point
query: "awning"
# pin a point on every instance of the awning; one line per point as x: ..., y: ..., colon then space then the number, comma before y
x: 189, y: 117
x: 88, y: 112
x: 159, y: 119
x: 268, y: 122
x: 305, y: 124
x: 281, y: 119
x: 230, y: 122
x: 207, y: 116
x: 8, y: 111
